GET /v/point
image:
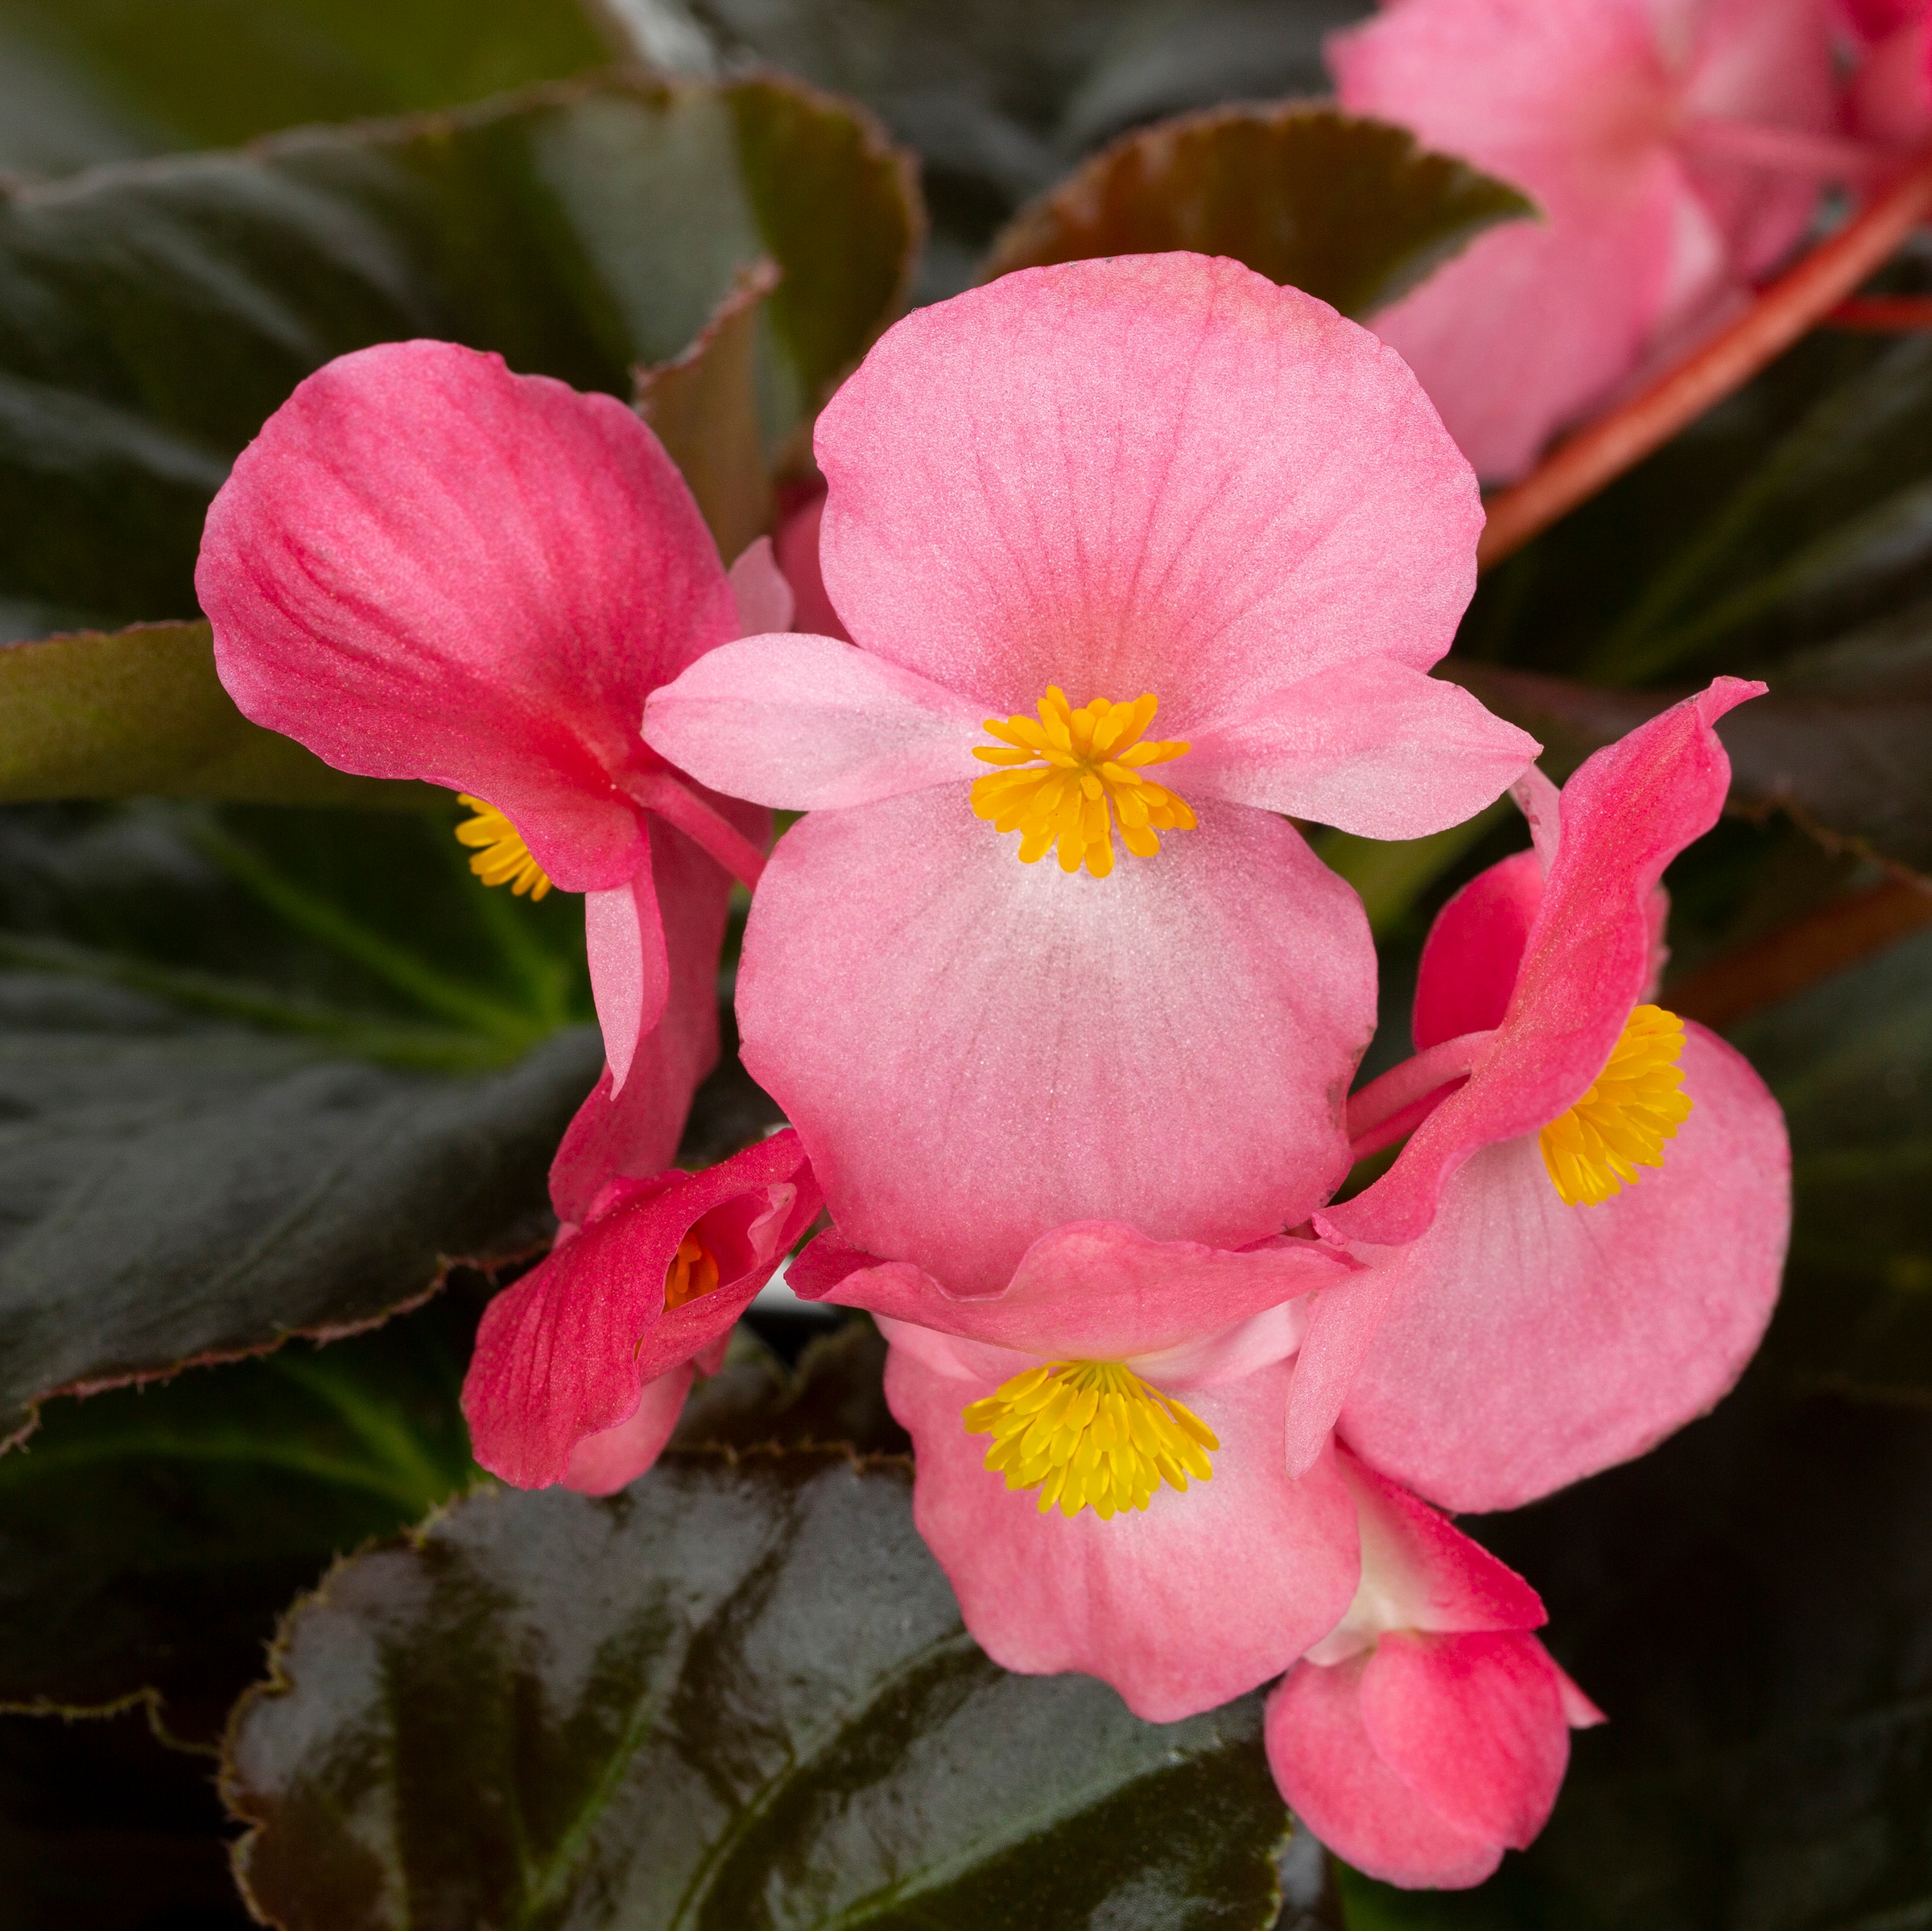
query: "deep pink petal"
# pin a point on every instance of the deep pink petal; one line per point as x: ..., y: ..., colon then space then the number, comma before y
x: 798, y: 551
x: 564, y: 1353
x: 1473, y: 1724
x: 760, y: 594
x: 1531, y: 1344
x: 629, y: 968
x: 1474, y: 949
x: 635, y: 1134
x: 805, y: 722
x: 1180, y: 1607
x: 975, y: 1050
x: 1627, y: 812
x: 1892, y: 98
x: 426, y: 566
x: 1160, y: 472
x: 602, y: 1463
x: 1330, y: 1774
x: 1377, y: 748
x: 1093, y: 1291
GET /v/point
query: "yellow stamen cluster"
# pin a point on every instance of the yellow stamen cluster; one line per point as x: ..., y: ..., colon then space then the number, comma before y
x: 1622, y: 1122
x: 504, y: 859
x: 1091, y: 1435
x: 1071, y: 772
x: 693, y: 1272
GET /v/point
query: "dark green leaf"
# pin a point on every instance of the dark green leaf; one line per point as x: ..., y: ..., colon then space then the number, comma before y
x: 104, y: 1828
x: 1352, y: 211
x: 141, y: 712
x: 150, y: 1537
x: 89, y: 80
x: 152, y: 317
x: 1000, y: 98
x: 737, y: 1695
x: 199, y: 1155
x: 833, y: 1396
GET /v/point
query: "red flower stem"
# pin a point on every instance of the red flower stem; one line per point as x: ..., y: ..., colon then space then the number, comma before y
x: 1797, y: 301
x: 1388, y: 1101
x: 1883, y: 314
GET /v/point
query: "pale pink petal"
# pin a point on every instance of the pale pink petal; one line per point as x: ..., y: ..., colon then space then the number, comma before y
x: 1474, y: 1724
x: 636, y: 1134
x: 1474, y: 951
x: 629, y: 968
x: 1532, y: 1344
x: 806, y: 723
x: 798, y: 548
x: 1344, y: 1319
x: 1579, y: 1712
x: 1196, y: 1599
x: 1331, y: 1774
x: 602, y: 1463
x: 1542, y: 805
x: 1627, y: 812
x: 426, y: 566
x: 1092, y: 1291
x: 759, y: 592
x: 565, y: 1353
x: 975, y: 1050
x: 1377, y: 748
x: 1156, y: 473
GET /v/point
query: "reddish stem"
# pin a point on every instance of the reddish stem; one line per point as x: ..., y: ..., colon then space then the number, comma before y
x: 1389, y: 1108
x: 1883, y: 314
x: 1596, y: 454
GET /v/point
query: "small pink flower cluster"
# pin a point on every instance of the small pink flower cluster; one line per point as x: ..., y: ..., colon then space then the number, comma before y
x: 1063, y: 1009
x: 1675, y: 151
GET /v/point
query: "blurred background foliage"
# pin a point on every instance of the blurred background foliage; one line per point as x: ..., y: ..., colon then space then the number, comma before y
x: 279, y: 1085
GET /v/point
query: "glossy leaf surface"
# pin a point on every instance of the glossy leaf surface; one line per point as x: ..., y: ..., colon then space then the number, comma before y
x: 1351, y: 210
x: 737, y: 1694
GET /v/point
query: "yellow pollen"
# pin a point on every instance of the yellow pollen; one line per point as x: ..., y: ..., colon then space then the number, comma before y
x: 1070, y: 774
x: 503, y: 859
x: 1091, y: 1435
x: 693, y: 1273
x: 1622, y: 1122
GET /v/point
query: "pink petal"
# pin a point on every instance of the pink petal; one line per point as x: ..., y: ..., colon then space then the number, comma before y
x: 1092, y: 1291
x: 759, y: 592
x: 975, y: 1050
x: 1474, y: 950
x: 1531, y: 1344
x: 1377, y: 748
x: 1332, y: 1777
x: 1160, y: 472
x: 602, y: 1463
x: 565, y: 1353
x: 426, y: 566
x: 629, y: 968
x: 804, y: 723
x: 1473, y: 1724
x: 1344, y: 1319
x: 636, y: 1134
x: 1892, y: 98
x: 798, y: 548
x: 1196, y: 1599
x: 1629, y: 809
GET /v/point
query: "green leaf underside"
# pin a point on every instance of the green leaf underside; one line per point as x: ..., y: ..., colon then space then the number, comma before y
x: 735, y: 1696
x: 578, y: 229
x: 141, y: 712
x: 1352, y: 211
x: 149, y: 1537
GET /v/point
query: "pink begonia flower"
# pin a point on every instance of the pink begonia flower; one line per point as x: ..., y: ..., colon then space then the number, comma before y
x: 1505, y: 1337
x: 426, y: 566
x: 1429, y: 1732
x: 1155, y: 480
x: 1106, y: 1354
x: 1674, y: 148
x: 797, y: 551
x: 581, y: 1368
x: 1891, y: 99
